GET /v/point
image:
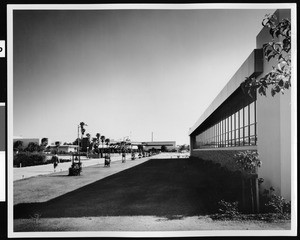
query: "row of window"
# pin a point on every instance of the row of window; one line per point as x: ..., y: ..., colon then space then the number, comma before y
x: 238, y: 129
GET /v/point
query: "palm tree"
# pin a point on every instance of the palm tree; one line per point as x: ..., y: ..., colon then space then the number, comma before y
x: 98, y: 141
x: 82, y: 124
x: 102, y: 140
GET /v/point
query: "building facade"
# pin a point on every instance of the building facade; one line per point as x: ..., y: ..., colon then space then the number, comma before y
x: 157, y: 145
x: 63, y: 148
x: 236, y: 121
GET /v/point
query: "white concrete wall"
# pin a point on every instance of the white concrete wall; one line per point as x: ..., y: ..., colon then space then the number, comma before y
x: 274, y: 132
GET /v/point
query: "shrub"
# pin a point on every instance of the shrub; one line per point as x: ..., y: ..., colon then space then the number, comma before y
x: 247, y: 161
x: 272, y: 203
x: 228, y: 208
x: 277, y: 204
x: 29, y: 159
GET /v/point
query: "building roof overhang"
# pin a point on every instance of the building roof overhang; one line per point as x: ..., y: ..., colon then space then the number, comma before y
x: 252, y: 67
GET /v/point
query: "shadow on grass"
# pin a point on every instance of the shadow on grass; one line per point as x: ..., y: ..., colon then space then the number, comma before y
x: 159, y: 187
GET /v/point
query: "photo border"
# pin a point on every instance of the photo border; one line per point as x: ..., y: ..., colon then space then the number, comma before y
x: 11, y: 233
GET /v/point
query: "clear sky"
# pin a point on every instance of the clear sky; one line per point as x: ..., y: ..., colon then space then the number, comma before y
x: 124, y: 72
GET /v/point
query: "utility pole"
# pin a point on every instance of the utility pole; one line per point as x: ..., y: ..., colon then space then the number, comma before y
x: 152, y: 136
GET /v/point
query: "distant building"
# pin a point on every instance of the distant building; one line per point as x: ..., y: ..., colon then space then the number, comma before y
x: 169, y: 145
x: 236, y: 121
x: 26, y: 141
x: 63, y: 148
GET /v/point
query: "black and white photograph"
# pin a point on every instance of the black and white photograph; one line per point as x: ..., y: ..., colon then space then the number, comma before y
x: 160, y: 120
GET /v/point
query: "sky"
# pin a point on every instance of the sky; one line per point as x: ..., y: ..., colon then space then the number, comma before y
x: 125, y: 73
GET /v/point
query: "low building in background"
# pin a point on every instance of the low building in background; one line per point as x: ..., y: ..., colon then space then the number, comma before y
x: 159, y: 145
x: 25, y: 141
x: 63, y: 148
x: 236, y: 121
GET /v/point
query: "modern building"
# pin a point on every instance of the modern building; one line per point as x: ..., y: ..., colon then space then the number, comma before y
x: 146, y: 146
x: 235, y: 121
x: 157, y: 145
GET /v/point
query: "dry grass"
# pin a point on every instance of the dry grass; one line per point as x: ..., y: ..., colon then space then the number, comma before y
x: 158, y: 195
x: 159, y: 187
x: 142, y: 223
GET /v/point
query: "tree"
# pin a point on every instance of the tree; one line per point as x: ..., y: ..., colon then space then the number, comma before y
x: 88, y: 136
x: 102, y: 141
x: 18, y: 146
x: 32, y: 147
x: 279, y: 78
x: 82, y: 124
x: 98, y: 142
x: 57, y: 144
x: 163, y: 148
x: 248, y: 162
x: 93, y: 144
x: 98, y: 137
x: 44, y: 142
x: 77, y: 141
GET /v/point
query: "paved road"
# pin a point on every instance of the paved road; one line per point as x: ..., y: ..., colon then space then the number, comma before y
x: 26, y: 172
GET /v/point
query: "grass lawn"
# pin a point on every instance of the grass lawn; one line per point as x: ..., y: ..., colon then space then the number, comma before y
x: 158, y: 187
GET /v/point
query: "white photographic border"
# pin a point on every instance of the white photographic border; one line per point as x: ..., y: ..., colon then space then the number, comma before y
x: 11, y: 233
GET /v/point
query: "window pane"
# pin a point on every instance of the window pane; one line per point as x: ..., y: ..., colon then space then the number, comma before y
x: 252, y: 113
x: 252, y: 140
x: 246, y: 116
x: 241, y: 118
x: 236, y: 120
x: 246, y: 141
x: 252, y: 129
x: 241, y: 133
x: 241, y: 136
x: 233, y: 142
x: 246, y: 131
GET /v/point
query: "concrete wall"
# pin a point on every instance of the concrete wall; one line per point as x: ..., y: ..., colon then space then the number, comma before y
x: 224, y: 156
x: 274, y: 131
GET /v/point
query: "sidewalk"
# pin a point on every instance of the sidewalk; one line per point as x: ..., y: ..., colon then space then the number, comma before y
x: 27, y: 172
